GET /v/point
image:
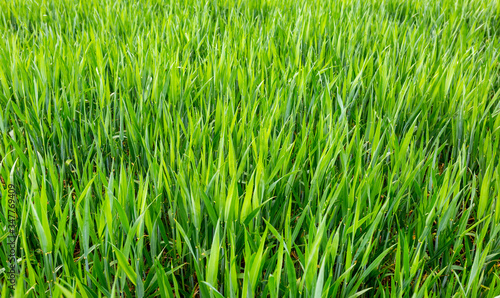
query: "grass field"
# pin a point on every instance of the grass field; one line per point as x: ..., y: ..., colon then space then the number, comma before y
x: 269, y: 148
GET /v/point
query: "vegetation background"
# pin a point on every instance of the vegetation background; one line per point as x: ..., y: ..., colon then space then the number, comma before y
x: 271, y: 148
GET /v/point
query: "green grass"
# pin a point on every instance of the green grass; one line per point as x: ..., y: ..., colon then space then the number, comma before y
x: 269, y: 148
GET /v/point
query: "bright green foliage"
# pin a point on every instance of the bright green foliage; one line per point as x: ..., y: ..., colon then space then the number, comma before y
x: 269, y: 148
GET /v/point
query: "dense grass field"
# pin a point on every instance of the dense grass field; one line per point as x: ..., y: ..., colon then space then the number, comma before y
x: 270, y: 148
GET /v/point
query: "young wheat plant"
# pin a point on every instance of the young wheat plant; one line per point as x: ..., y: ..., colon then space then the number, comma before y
x: 264, y: 148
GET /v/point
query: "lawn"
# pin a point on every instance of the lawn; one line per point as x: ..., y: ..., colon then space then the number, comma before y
x: 265, y: 148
